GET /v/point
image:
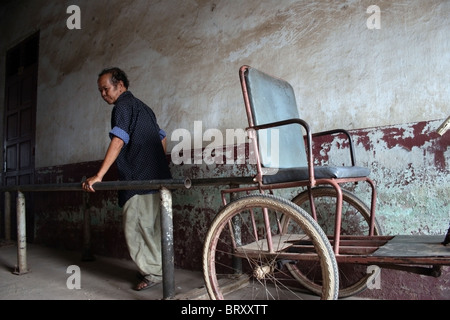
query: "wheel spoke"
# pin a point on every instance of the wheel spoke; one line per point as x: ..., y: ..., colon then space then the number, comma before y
x: 232, y: 250
x: 355, y: 221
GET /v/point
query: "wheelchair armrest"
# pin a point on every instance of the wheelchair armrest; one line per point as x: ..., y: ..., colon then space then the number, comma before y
x: 339, y: 131
x: 307, y: 138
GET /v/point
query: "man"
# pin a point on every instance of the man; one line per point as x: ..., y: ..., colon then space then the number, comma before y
x: 138, y: 146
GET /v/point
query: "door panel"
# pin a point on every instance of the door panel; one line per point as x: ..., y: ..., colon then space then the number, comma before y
x: 19, y: 128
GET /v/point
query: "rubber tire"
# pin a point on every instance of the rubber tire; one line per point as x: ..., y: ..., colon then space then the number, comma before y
x: 276, y: 205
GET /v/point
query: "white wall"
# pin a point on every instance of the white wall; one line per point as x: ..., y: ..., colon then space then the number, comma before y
x: 182, y: 58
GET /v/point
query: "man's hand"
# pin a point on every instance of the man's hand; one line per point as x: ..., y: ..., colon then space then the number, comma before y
x: 112, y: 153
x: 89, y: 182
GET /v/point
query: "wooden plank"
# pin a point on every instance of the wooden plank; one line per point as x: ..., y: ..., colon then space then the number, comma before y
x: 279, y: 243
x: 414, y: 246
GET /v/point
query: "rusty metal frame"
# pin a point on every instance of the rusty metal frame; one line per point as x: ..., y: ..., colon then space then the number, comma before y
x: 312, y: 181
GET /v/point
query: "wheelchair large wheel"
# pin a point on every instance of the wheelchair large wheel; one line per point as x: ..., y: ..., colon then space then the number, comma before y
x: 246, y: 253
x: 353, y: 278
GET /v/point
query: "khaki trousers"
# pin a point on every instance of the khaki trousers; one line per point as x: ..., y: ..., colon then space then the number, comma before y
x: 142, y: 227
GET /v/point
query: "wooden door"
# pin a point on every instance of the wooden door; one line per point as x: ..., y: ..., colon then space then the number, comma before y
x: 20, y: 124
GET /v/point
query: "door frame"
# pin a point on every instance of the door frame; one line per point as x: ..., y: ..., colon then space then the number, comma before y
x: 19, y: 125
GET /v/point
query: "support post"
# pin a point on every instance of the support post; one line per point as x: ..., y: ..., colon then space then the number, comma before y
x: 87, y: 246
x: 21, y: 236
x: 7, y: 216
x: 167, y: 244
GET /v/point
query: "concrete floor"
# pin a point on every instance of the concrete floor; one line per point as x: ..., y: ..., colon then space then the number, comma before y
x: 112, y: 279
x: 102, y: 279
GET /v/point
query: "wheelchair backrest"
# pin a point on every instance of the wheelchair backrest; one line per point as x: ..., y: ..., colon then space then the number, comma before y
x: 272, y: 99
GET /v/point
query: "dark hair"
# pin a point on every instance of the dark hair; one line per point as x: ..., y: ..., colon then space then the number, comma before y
x: 117, y: 75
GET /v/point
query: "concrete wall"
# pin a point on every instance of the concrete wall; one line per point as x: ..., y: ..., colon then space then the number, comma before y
x: 389, y: 86
x: 182, y: 57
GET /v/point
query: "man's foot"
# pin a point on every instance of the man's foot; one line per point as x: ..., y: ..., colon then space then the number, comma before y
x: 145, y: 284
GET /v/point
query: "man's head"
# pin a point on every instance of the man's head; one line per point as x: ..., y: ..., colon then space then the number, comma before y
x: 112, y: 82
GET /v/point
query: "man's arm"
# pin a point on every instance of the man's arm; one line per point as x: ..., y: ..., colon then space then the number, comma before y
x: 112, y: 153
x: 163, y: 136
x: 164, y: 143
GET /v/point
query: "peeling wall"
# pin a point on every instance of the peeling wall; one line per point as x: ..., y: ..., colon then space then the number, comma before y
x: 409, y: 165
x: 182, y: 58
x: 389, y: 86
x: 412, y: 185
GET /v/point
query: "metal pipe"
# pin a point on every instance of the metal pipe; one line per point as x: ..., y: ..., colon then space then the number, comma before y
x: 167, y: 251
x: 166, y: 213
x: 7, y: 216
x: 87, y: 246
x: 105, y: 185
x: 21, y: 236
x: 444, y: 127
x: 131, y: 185
x: 222, y: 181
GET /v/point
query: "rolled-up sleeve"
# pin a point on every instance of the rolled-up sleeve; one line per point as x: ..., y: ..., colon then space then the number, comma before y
x: 162, y: 134
x: 119, y: 133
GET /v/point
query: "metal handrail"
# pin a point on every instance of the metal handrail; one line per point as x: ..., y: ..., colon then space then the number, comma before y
x: 104, y: 185
x: 164, y: 187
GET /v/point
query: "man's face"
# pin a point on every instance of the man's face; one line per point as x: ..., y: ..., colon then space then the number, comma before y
x: 109, y: 92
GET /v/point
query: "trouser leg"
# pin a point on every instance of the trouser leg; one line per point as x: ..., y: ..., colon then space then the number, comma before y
x: 142, y: 228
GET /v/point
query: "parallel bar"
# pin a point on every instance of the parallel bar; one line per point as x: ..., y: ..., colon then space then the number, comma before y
x: 105, y: 185
x: 166, y: 218
x: 7, y: 216
x: 167, y: 252
x: 131, y: 185
x: 87, y: 252
x: 21, y: 236
x: 222, y: 181
x: 166, y: 214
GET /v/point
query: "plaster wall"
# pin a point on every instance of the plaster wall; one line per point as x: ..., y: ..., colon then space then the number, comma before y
x: 182, y: 58
x: 409, y: 165
x: 412, y: 190
x: 389, y: 86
